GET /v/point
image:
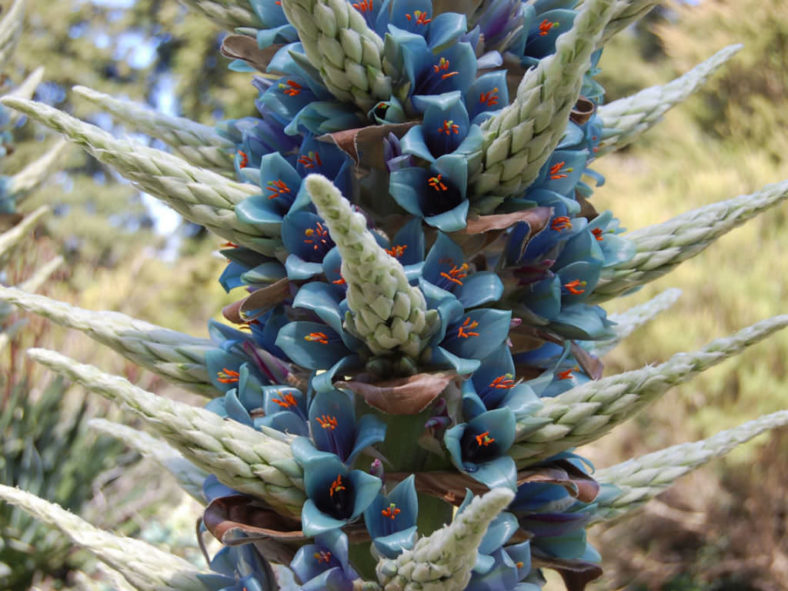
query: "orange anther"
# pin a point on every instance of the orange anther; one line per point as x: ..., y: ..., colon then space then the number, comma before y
x: 319, y: 337
x: 565, y: 375
x: 244, y: 159
x: 545, y: 26
x: 484, y: 439
x: 466, y: 330
x: 503, y: 382
x: 436, y: 183
x: 227, y: 376
x: 421, y: 17
x: 322, y: 556
x: 291, y: 88
x: 456, y: 274
x: 312, y: 160
x: 489, y: 98
x: 288, y: 400
x: 363, y: 6
x: 336, y: 486
x: 597, y: 232
x: 391, y: 512
x: 277, y: 188
x: 449, y: 127
x: 327, y: 422
x: 575, y: 287
x: 561, y: 223
x: 555, y: 171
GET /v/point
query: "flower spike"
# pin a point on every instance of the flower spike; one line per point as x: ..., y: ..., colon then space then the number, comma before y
x: 625, y: 119
x: 198, y: 144
x: 339, y: 43
x: 143, y: 565
x: 629, y: 485
x: 178, y: 357
x: 26, y: 90
x: 201, y: 196
x: 230, y: 14
x: 628, y: 321
x: 661, y: 247
x: 587, y: 412
x: 626, y: 13
x: 385, y: 310
x: 34, y: 174
x: 258, y: 463
x: 521, y: 137
x: 10, y: 239
x: 11, y: 30
x: 190, y: 478
x: 444, y: 560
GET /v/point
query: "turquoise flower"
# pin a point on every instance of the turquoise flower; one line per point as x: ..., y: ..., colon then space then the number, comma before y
x: 334, y: 428
x: 463, y: 338
x: 391, y: 519
x: 336, y: 494
x: 479, y: 448
x: 276, y: 28
x: 243, y: 569
x: 325, y: 564
x: 446, y: 267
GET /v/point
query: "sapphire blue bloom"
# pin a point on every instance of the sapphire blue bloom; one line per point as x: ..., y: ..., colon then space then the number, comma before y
x: 494, y: 385
x: 336, y: 494
x: 437, y: 194
x: 479, y: 448
x: 463, y: 338
x: 391, y: 519
x: 446, y: 267
x: 325, y: 564
x: 243, y: 569
x: 334, y: 428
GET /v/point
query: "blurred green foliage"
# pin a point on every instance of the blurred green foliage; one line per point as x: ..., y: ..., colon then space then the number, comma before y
x: 727, y: 140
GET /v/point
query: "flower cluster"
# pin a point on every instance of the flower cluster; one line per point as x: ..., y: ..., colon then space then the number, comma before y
x: 422, y: 265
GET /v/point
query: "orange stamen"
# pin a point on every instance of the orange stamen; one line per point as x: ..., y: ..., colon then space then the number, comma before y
x: 244, y: 159
x: 565, y: 375
x: 291, y: 88
x: 597, y: 232
x: 444, y: 64
x: 277, y: 188
x: 421, y: 17
x: 322, y: 556
x: 287, y: 402
x: 312, y: 160
x: 227, y: 376
x: 319, y: 337
x: 397, y: 250
x: 561, y: 223
x: 456, y: 274
x: 391, y: 512
x: 545, y: 26
x: 336, y: 486
x: 436, y: 183
x: 484, y: 439
x: 503, y: 382
x: 489, y: 98
x: 316, y: 236
x: 466, y: 330
x: 575, y: 287
x: 449, y: 127
x: 327, y: 422
x: 555, y: 171
x: 363, y: 6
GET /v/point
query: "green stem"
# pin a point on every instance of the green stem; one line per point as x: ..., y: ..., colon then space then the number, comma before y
x: 434, y: 513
